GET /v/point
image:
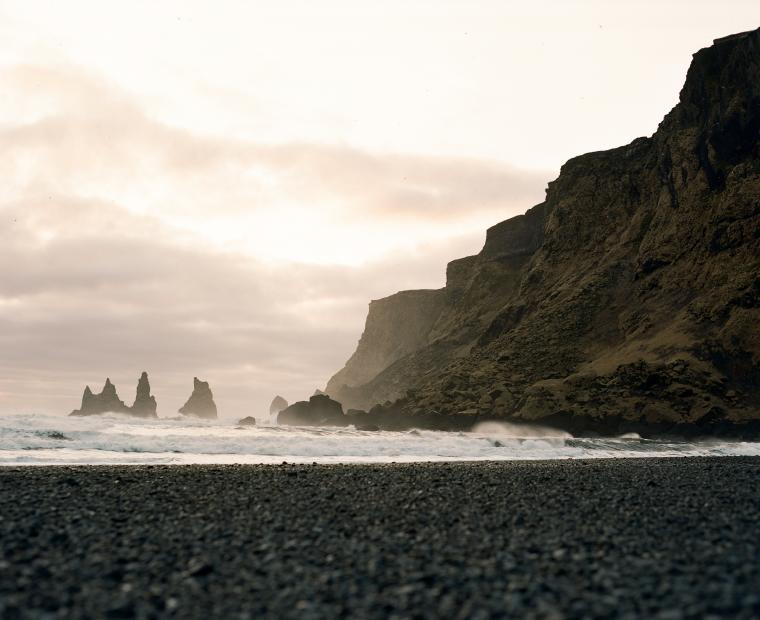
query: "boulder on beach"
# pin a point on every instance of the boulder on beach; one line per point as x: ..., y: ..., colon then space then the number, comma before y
x: 145, y: 404
x: 201, y: 402
x: 247, y: 421
x: 320, y: 410
x: 278, y: 404
x: 104, y: 402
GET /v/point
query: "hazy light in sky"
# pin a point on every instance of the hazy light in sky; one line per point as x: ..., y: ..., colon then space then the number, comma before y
x: 508, y: 80
x: 218, y: 189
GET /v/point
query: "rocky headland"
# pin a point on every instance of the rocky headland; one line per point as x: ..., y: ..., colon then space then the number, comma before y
x: 628, y: 300
x: 201, y: 402
x: 108, y: 401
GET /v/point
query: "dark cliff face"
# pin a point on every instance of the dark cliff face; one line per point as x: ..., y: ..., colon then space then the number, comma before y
x: 632, y: 292
x: 396, y: 326
x: 413, y: 333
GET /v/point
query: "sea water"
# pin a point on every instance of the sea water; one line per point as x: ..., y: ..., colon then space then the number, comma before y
x: 28, y: 439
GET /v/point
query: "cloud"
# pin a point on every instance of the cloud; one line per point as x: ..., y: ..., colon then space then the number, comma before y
x: 86, y: 125
x: 134, y: 245
x: 119, y: 295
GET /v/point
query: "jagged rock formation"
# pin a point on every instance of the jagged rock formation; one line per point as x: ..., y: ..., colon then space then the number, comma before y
x: 278, y: 404
x: 145, y: 404
x: 320, y: 410
x: 630, y: 296
x: 201, y: 402
x: 107, y: 401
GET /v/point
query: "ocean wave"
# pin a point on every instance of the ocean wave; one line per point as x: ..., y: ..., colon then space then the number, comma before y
x: 45, y: 439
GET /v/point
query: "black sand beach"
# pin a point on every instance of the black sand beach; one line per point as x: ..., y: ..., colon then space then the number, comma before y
x: 667, y: 538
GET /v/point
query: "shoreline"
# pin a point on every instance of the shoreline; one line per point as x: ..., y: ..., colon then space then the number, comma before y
x: 589, y: 537
x: 380, y: 463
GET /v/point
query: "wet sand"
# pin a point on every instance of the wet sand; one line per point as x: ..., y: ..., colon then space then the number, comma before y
x: 668, y: 538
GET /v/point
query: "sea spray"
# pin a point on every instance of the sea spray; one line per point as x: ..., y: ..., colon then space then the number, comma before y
x: 112, y: 438
x: 519, y: 431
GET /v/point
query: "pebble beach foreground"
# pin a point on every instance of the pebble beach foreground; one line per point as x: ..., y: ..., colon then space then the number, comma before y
x: 670, y: 538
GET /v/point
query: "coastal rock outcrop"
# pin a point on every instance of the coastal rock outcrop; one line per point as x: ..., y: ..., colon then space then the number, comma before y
x: 320, y: 410
x: 247, y: 421
x: 145, y: 404
x: 107, y: 401
x: 201, y: 402
x: 278, y: 404
x: 629, y: 297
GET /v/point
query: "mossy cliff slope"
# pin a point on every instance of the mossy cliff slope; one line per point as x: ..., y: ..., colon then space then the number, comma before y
x: 632, y: 293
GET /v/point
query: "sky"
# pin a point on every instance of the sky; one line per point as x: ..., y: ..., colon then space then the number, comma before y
x: 219, y: 189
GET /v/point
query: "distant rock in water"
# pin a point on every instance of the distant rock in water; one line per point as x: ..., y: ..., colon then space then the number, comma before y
x: 318, y: 392
x: 247, y: 421
x: 278, y: 404
x: 201, y: 402
x: 145, y: 404
x: 106, y: 401
x: 320, y: 410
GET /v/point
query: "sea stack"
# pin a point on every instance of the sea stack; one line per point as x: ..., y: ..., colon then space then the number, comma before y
x: 107, y: 401
x: 201, y: 402
x: 278, y: 404
x: 145, y: 404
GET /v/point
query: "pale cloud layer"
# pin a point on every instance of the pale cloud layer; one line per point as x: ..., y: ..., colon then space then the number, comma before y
x: 531, y: 83
x: 105, y: 292
x: 219, y: 189
x: 130, y: 244
x: 87, y: 138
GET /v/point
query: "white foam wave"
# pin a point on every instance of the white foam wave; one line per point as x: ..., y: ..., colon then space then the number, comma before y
x: 40, y: 439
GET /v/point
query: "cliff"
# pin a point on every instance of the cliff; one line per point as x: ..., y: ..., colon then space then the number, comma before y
x: 630, y: 295
x: 396, y: 326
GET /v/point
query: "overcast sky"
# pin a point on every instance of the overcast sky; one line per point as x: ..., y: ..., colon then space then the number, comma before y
x: 217, y: 189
